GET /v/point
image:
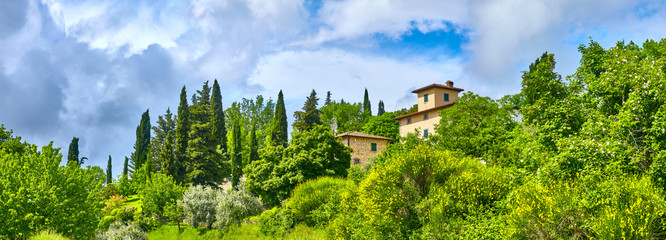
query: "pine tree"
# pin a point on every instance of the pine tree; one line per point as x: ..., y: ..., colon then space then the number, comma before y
x: 237, y: 157
x: 109, y: 177
x: 166, y: 124
x: 205, y: 165
x: 328, y: 98
x: 366, y: 104
x: 125, y: 168
x: 380, y: 108
x: 73, y: 154
x: 254, y: 152
x: 279, y: 132
x: 310, y: 116
x: 142, y: 144
x: 182, y: 137
x: 219, y: 128
x: 169, y: 166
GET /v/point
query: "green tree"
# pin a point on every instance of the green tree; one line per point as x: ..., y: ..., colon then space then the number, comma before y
x: 367, y: 107
x: 219, y: 128
x: 109, y: 176
x: 311, y: 154
x: 169, y: 164
x: 380, y: 108
x: 237, y: 157
x: 182, y: 138
x: 343, y: 117
x: 254, y: 150
x: 166, y: 124
x: 73, y: 155
x: 279, y: 132
x: 383, y: 125
x: 328, y: 98
x: 142, y: 144
x: 310, y: 116
x: 476, y: 126
x: 206, y: 164
x: 38, y: 194
x: 125, y: 167
x: 161, y: 190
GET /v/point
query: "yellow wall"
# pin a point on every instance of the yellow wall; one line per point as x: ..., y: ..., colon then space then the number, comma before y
x: 435, y: 98
x: 419, y: 123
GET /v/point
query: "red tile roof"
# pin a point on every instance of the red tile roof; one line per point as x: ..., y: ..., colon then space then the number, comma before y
x: 363, y: 135
x: 435, y: 85
x: 424, y: 111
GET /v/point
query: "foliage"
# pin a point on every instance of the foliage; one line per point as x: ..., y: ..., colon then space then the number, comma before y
x: 316, y: 202
x: 383, y: 125
x: 279, y: 135
x: 199, y: 204
x: 234, y: 206
x: 48, y: 235
x: 476, y: 126
x: 142, y: 144
x: 122, y: 231
x: 37, y: 193
x: 182, y: 138
x: 109, y: 175
x: 276, y: 222
x: 219, y: 127
x: 109, y: 190
x: 311, y: 154
x: 158, y: 192
x: 166, y: 126
x: 367, y: 107
x: 343, y: 117
x: 237, y: 157
x: 380, y: 108
x: 310, y: 116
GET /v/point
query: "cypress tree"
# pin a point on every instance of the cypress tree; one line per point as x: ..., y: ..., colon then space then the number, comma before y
x: 328, y: 98
x: 142, y: 144
x: 254, y: 151
x: 109, y: 177
x: 380, y: 108
x: 182, y: 137
x: 309, y: 117
x: 366, y: 104
x: 73, y: 154
x: 125, y: 168
x: 168, y: 162
x: 204, y: 165
x: 237, y: 157
x: 219, y: 128
x: 279, y: 132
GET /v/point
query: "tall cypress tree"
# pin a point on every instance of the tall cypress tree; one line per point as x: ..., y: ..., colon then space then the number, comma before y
x: 109, y: 177
x: 168, y: 161
x: 237, y: 157
x: 328, y: 98
x: 204, y: 162
x: 125, y: 168
x: 254, y: 146
x: 182, y: 137
x: 279, y: 132
x: 142, y: 144
x: 219, y: 128
x: 73, y: 154
x: 380, y: 108
x: 309, y: 117
x: 366, y: 104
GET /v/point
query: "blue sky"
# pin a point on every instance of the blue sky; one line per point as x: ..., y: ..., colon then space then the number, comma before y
x: 90, y: 68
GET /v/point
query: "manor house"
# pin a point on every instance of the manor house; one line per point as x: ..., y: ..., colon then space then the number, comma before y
x: 431, y: 99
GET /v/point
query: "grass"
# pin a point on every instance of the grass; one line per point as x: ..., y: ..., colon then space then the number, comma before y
x: 134, y: 201
x: 48, y: 235
x: 245, y: 231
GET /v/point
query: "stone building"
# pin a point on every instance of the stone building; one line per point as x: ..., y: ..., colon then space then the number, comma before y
x: 431, y: 99
x: 364, y: 145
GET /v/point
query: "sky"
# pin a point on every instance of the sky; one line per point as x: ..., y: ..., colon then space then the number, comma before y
x: 89, y: 68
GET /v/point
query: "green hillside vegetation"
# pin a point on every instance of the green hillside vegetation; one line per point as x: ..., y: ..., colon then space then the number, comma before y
x: 579, y: 157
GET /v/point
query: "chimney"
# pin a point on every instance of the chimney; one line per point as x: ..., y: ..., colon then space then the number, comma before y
x: 449, y: 83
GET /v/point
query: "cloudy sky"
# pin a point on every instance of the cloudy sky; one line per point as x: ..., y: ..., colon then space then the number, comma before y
x: 90, y: 68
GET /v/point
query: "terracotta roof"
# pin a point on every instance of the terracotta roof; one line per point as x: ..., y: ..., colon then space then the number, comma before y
x: 427, y: 110
x: 363, y: 135
x: 435, y: 85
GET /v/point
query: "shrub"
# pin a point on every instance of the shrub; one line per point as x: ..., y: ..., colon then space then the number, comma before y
x: 235, y: 206
x: 109, y: 190
x: 114, y: 202
x: 48, y: 235
x: 159, y: 191
x: 122, y: 231
x: 125, y: 186
x: 316, y: 202
x: 199, y: 204
x: 276, y: 222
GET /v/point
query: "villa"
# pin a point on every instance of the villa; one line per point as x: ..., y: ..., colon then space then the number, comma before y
x: 431, y: 99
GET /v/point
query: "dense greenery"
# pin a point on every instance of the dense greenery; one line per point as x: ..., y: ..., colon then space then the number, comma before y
x: 580, y: 157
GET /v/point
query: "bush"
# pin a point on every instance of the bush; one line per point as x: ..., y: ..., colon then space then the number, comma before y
x: 122, y: 231
x: 48, y: 235
x: 316, y: 202
x: 109, y: 190
x: 114, y: 202
x: 276, y: 222
x: 125, y: 186
x: 199, y: 205
x: 235, y: 206
x: 159, y: 191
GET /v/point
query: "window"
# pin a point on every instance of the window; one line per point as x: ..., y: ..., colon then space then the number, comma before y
x: 446, y: 97
x: 357, y: 161
x: 425, y: 133
x: 425, y: 117
x: 425, y: 98
x: 373, y: 147
x: 409, y: 120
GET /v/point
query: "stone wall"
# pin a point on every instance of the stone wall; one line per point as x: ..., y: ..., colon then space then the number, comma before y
x: 362, y: 148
